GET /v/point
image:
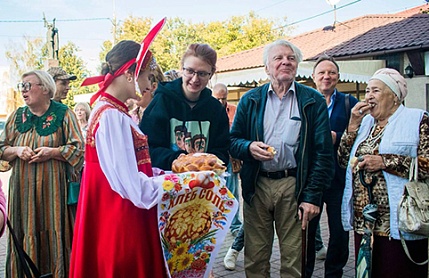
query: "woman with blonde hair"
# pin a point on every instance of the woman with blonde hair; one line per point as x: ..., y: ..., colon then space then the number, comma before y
x: 41, y: 140
x: 82, y: 111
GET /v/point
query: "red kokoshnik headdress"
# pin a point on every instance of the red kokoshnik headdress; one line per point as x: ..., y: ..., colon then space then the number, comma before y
x: 144, y: 59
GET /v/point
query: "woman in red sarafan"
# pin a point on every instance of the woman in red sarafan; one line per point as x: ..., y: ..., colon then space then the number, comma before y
x: 116, y: 230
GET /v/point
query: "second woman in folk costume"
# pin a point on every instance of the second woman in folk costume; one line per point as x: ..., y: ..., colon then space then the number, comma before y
x: 116, y: 227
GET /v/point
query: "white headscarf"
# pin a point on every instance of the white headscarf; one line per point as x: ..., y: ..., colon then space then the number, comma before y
x: 394, y: 80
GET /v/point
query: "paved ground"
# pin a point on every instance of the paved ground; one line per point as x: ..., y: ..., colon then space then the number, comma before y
x: 219, y: 269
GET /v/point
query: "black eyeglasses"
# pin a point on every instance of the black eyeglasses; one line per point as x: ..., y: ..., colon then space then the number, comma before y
x: 25, y: 86
x: 190, y: 73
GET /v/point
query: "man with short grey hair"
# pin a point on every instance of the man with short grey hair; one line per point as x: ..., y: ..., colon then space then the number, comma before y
x: 281, y: 133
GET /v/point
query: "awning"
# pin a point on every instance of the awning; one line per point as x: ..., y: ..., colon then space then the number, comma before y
x: 350, y: 71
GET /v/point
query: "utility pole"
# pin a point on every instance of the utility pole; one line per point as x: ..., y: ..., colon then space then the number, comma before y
x: 52, y: 41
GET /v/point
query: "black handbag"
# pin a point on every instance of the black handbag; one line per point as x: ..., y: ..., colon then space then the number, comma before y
x: 28, y: 266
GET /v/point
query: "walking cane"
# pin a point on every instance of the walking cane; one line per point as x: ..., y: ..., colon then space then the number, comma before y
x: 304, y: 245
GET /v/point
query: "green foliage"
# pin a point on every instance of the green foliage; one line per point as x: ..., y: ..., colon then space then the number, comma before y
x: 236, y: 34
x: 24, y: 58
x: 107, y: 45
x: 34, y: 56
x: 134, y: 28
x: 172, y: 42
x: 242, y: 33
x: 73, y: 64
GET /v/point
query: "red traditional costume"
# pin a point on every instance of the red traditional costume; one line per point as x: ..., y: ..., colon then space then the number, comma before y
x: 116, y: 230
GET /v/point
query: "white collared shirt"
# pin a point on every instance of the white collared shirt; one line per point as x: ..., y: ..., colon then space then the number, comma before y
x: 282, y: 124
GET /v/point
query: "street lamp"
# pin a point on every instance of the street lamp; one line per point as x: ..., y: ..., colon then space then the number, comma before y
x: 409, y: 71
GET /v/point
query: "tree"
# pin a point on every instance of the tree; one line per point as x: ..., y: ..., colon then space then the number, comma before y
x: 134, y: 28
x: 169, y: 44
x: 243, y: 33
x: 33, y: 55
x: 236, y: 34
x: 25, y: 57
x: 106, y: 47
x: 22, y: 58
x: 71, y: 63
x: 172, y: 42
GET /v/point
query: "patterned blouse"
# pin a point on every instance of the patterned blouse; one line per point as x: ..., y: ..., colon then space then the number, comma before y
x: 395, y: 164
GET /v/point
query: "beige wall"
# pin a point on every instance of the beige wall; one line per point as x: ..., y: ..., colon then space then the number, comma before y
x: 418, y: 92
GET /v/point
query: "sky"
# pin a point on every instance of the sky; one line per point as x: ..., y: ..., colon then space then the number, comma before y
x: 88, y: 23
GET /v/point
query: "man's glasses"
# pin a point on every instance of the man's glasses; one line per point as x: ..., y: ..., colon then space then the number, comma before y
x: 188, y: 72
x: 26, y: 86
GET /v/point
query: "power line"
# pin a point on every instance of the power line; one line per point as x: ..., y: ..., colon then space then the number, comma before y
x: 20, y: 21
x: 87, y: 19
x: 63, y: 20
x: 266, y: 7
x: 317, y: 15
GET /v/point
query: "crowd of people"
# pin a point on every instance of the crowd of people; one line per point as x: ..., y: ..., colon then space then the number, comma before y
x: 290, y: 149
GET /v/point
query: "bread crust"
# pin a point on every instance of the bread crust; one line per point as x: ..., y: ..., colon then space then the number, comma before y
x: 198, y: 162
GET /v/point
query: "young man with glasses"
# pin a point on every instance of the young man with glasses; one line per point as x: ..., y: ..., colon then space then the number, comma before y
x: 187, y: 102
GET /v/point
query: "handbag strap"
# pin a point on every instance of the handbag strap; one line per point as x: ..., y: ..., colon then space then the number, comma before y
x: 23, y: 256
x: 68, y: 175
x: 347, y: 105
x: 404, y: 245
x: 413, y: 177
x: 414, y: 170
x: 69, y: 169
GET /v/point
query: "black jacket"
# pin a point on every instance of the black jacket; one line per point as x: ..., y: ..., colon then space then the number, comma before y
x: 315, y: 152
x: 169, y: 111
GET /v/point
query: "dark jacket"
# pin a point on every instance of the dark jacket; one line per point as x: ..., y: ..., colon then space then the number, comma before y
x: 314, y: 155
x: 339, y: 121
x: 169, y: 107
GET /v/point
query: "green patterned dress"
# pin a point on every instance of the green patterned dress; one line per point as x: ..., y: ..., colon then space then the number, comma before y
x: 37, y: 192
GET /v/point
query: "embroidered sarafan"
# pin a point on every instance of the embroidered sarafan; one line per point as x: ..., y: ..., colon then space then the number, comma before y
x: 44, y: 125
x: 112, y: 103
x: 141, y: 147
x: 140, y: 141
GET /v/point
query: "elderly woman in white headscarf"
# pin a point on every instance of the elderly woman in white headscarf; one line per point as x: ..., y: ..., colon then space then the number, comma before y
x: 384, y: 136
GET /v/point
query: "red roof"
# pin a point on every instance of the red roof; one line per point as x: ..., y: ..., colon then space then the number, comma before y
x: 362, y: 36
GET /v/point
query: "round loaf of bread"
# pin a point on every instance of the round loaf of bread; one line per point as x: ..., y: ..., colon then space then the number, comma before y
x: 198, y: 162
